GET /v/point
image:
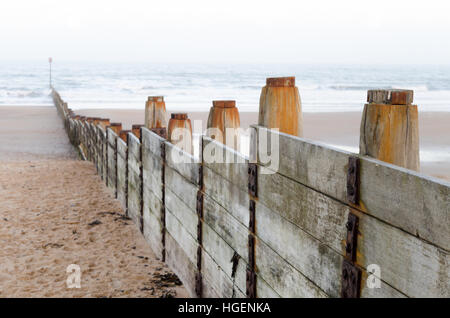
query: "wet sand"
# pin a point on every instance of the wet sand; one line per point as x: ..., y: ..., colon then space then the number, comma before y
x: 55, y: 211
x: 339, y: 129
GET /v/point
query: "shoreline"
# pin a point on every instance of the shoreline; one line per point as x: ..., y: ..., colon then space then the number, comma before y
x: 337, y: 129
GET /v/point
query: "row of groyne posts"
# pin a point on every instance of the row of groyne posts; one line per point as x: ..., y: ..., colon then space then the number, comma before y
x: 294, y: 219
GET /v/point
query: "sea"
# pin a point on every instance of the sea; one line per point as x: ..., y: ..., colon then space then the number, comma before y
x: 192, y: 87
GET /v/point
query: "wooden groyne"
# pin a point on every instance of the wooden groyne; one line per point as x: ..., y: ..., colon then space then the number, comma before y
x: 321, y: 222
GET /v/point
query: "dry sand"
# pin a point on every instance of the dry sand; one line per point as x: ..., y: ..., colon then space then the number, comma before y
x: 56, y: 211
x: 339, y: 129
x: 33, y: 133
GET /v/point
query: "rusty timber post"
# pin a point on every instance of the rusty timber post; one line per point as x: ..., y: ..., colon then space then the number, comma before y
x: 280, y: 106
x: 390, y: 128
x: 224, y: 116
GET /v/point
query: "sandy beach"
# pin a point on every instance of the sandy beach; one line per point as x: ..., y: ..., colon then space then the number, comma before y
x: 340, y: 129
x: 56, y: 211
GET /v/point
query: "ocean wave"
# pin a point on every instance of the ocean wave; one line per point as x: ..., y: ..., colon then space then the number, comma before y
x: 22, y: 94
x: 354, y: 87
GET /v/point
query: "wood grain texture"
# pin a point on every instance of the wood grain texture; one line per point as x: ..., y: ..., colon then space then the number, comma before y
x: 420, y: 205
x: 280, y: 107
x: 390, y: 133
x: 152, y: 225
x: 99, y: 145
x: 263, y: 290
x: 226, y: 121
x: 182, y: 212
x: 122, y: 166
x: 179, y: 233
x: 324, y: 219
x: 151, y: 142
x: 230, y: 197
x: 134, y: 196
x: 282, y: 277
x: 153, y: 174
x: 180, y: 263
x: 184, y: 190
x: 226, y: 226
x: 232, y: 166
x: 184, y: 163
x: 112, y: 174
x: 309, y: 256
x: 222, y: 253
x: 217, y: 282
x: 134, y: 180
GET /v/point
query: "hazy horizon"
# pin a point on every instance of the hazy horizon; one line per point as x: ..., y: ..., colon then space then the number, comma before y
x: 237, y: 32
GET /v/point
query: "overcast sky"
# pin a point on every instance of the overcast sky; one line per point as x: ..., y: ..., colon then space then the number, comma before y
x: 321, y: 31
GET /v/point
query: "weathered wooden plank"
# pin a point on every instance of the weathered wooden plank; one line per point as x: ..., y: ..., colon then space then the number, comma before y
x: 111, y: 145
x: 179, y: 262
x: 385, y: 291
x: 316, y: 261
x: 263, y: 290
x: 419, y: 205
x: 134, y: 180
x: 182, y: 212
x: 185, y: 190
x: 134, y: 197
x: 179, y: 233
x: 413, y: 202
x: 122, y: 149
x: 184, y: 163
x: 222, y: 254
x: 232, y: 198
x: 207, y: 290
x: 233, y: 166
x: 98, y: 145
x: 315, y: 213
x: 282, y: 277
x: 122, y: 167
x: 134, y: 148
x: 226, y: 226
x: 407, y: 263
x: 91, y: 142
x: 152, y: 223
x: 152, y: 142
x: 221, y: 284
x: 152, y: 174
x: 325, y: 218
x: 111, y: 136
x: 134, y: 165
x: 152, y: 162
x: 102, y: 155
x: 152, y: 203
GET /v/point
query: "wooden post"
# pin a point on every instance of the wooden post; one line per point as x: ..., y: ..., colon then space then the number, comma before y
x: 116, y: 127
x: 280, y: 106
x: 136, y: 130
x: 224, y: 116
x: 155, y: 112
x: 124, y: 135
x: 181, y: 138
x: 390, y: 128
x: 104, y: 122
